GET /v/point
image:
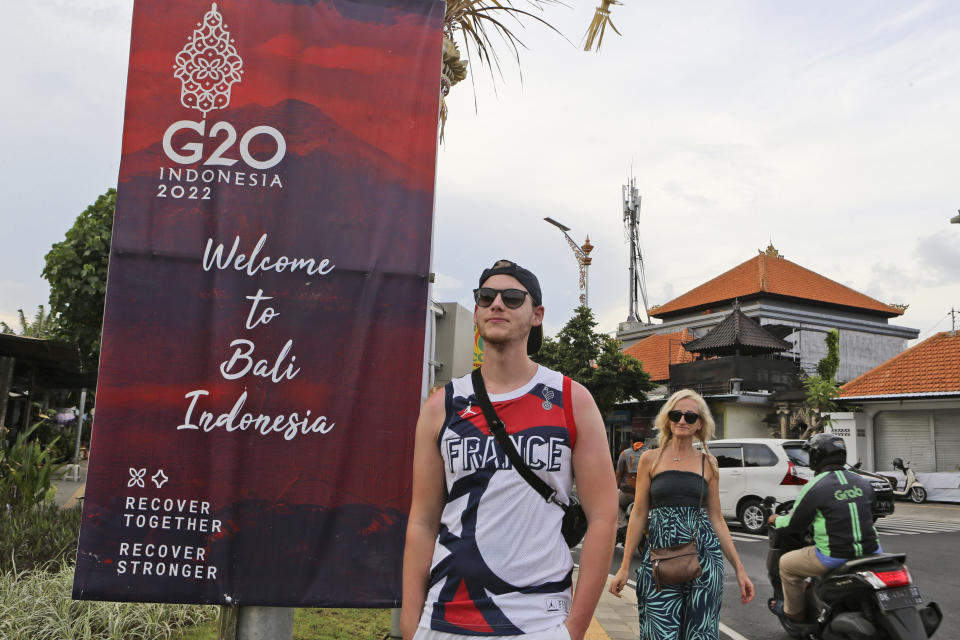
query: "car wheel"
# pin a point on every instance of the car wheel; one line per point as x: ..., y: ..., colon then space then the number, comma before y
x: 918, y: 494
x: 752, y: 516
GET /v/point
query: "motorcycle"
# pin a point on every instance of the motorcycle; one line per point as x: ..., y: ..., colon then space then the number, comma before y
x: 622, y: 533
x: 912, y: 488
x: 869, y: 597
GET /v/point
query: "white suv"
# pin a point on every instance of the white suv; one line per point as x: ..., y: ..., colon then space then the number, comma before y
x: 754, y: 468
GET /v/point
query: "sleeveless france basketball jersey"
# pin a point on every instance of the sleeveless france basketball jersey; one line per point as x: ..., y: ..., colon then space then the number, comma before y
x: 500, y: 565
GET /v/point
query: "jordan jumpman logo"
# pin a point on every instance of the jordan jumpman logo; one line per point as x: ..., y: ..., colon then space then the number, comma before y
x: 468, y: 412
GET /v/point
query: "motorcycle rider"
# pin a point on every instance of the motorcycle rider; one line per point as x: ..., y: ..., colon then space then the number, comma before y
x: 627, y: 465
x: 837, y: 503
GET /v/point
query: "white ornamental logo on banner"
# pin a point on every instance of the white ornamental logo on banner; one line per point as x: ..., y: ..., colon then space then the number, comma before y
x: 208, y: 65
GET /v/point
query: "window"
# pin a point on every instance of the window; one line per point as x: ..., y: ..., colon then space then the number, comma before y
x: 728, y: 456
x: 758, y: 455
x: 797, y: 455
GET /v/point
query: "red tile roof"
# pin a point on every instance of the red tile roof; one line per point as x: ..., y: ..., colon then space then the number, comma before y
x: 659, y: 351
x: 776, y: 276
x: 932, y: 366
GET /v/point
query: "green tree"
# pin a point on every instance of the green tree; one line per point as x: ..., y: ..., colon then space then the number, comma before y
x: 828, y: 365
x: 821, y: 396
x: 76, y: 269
x: 822, y: 389
x: 595, y: 361
x: 42, y: 326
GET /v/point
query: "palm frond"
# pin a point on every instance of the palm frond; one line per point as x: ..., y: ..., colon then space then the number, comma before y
x: 476, y: 20
x: 486, y: 26
x: 601, y: 19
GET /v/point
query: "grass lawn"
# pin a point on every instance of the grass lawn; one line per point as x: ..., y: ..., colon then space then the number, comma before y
x: 318, y: 624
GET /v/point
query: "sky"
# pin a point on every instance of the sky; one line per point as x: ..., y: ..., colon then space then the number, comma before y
x: 827, y: 129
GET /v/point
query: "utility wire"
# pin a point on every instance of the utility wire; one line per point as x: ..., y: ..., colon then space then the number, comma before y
x: 926, y: 334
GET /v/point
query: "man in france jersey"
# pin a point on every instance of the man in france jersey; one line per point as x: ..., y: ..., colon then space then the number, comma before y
x: 484, y: 553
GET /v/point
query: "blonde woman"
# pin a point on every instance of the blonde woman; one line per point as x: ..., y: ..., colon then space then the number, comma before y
x: 670, y: 481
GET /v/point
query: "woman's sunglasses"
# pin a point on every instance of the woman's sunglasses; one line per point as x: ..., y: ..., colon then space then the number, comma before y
x: 689, y: 416
x: 512, y: 298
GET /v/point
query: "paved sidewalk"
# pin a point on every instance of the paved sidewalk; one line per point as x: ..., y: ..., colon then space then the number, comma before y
x: 69, y: 492
x: 618, y: 616
x: 936, y: 511
x: 615, y: 618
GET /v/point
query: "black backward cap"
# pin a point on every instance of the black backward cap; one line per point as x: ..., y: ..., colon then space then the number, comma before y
x: 530, y: 283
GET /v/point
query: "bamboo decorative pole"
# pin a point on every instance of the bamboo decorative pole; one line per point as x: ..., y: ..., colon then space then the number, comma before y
x: 599, y: 25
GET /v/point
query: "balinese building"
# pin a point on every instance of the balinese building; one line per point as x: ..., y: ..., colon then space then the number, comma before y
x: 631, y: 422
x: 749, y: 333
x: 909, y: 408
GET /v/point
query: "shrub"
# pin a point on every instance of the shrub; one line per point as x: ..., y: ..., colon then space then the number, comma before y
x: 59, y: 439
x: 25, y: 471
x: 36, y: 605
x: 31, y: 536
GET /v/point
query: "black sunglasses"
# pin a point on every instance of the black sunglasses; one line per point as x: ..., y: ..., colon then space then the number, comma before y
x: 689, y: 416
x: 512, y: 298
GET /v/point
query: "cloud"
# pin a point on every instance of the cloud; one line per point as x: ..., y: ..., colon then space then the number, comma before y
x: 446, y: 287
x: 940, y: 254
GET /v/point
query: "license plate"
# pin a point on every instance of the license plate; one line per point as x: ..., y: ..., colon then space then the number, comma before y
x: 899, y: 598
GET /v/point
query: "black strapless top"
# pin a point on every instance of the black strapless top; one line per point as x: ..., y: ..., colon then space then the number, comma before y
x: 677, y: 489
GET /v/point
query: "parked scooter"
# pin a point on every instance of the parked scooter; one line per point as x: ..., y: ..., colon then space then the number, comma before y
x: 912, y: 488
x: 869, y: 597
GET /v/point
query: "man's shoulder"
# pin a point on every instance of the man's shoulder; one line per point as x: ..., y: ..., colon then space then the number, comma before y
x: 436, y: 401
x: 855, y: 478
x: 828, y: 481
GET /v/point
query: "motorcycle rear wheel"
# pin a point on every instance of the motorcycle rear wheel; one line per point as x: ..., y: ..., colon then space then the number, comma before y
x: 794, y: 631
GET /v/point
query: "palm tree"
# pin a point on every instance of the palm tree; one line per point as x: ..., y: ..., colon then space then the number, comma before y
x: 42, y: 326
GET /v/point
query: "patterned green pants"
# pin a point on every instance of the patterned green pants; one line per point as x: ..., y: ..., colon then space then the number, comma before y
x: 687, y: 611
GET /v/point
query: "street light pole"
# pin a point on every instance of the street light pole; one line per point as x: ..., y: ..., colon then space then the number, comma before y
x: 582, y: 254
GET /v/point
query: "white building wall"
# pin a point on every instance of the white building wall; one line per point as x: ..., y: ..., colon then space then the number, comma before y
x: 844, y: 425
x: 453, y: 350
x: 865, y: 422
x: 745, y: 421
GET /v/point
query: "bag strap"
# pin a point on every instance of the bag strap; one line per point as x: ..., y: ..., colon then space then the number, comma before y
x: 500, y: 432
x: 703, y: 459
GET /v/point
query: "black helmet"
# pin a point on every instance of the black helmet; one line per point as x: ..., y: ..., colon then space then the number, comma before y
x: 825, y: 449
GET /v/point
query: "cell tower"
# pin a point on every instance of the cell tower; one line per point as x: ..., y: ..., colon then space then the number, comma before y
x: 631, y: 225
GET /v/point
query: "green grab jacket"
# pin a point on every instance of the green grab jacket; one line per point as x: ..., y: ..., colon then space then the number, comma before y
x: 837, y: 503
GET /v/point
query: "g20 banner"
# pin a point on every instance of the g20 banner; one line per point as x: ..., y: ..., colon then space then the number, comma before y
x: 266, y: 300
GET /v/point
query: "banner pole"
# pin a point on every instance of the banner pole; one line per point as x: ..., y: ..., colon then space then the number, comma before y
x: 264, y: 623
x: 395, y: 624
x: 83, y: 407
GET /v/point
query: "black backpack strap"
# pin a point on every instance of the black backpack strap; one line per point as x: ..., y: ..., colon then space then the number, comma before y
x: 500, y: 432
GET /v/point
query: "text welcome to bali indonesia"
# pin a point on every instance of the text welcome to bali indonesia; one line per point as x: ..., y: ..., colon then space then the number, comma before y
x: 243, y: 362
